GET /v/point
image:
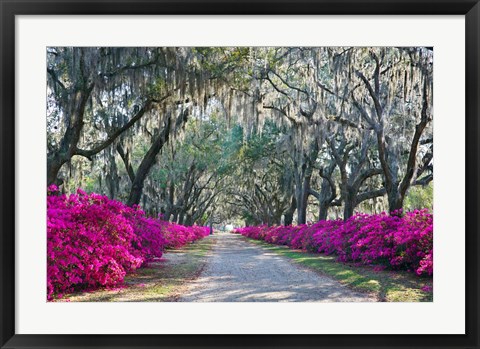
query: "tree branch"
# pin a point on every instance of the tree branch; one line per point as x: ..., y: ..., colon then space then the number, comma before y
x: 54, y: 76
x: 370, y: 195
x: 364, y: 113
x: 126, y: 162
x: 424, y: 180
x: 412, y: 158
x: 364, y: 175
x: 373, y: 95
x: 288, y: 84
x: 146, y: 107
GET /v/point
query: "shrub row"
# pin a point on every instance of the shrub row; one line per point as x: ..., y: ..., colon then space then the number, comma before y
x: 394, y: 241
x: 93, y: 241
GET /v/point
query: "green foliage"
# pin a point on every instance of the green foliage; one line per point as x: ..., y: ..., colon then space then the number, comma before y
x: 262, y: 145
x: 419, y: 197
x: 158, y: 87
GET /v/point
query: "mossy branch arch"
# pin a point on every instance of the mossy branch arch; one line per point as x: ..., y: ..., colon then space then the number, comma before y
x: 266, y: 135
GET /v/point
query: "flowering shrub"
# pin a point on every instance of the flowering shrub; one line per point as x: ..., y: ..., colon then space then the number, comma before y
x: 177, y: 235
x: 93, y: 241
x: 398, y: 242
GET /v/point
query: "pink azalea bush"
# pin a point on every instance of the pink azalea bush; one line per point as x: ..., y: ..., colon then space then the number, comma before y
x: 93, y: 241
x: 177, y: 235
x: 398, y: 242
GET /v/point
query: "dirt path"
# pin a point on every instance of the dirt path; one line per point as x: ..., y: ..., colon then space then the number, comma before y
x: 163, y: 280
x: 239, y: 271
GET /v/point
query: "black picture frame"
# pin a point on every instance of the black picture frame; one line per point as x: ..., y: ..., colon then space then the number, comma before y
x: 11, y: 8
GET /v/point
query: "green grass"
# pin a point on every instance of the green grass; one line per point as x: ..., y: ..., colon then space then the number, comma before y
x: 162, y: 281
x: 387, y: 286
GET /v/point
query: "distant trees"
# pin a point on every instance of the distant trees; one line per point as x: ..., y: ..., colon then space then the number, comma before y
x: 192, y: 174
x: 273, y: 135
x: 369, y: 109
x: 262, y: 184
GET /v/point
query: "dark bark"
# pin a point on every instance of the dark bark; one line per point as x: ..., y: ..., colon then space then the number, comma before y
x: 412, y: 158
x: 149, y: 159
x: 370, y: 195
x: 395, y: 189
x: 174, y: 216
x: 328, y: 191
x: 395, y: 200
x: 54, y: 165
x: 303, y: 178
x: 188, y: 220
x: 169, y: 194
x: 68, y: 144
x: 88, y: 153
x: 424, y: 180
x: 112, y: 180
x: 288, y: 216
x: 188, y: 195
x: 147, y: 162
x: 181, y: 217
x: 351, y: 181
x: 325, y: 198
x: 303, y: 202
x: 323, y: 211
x: 126, y: 161
x: 348, y: 206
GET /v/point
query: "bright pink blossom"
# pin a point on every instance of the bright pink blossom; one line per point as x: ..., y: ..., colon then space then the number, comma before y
x: 93, y: 241
x: 397, y: 242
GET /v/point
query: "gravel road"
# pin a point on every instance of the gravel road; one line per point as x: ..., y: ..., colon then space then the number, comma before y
x: 239, y: 271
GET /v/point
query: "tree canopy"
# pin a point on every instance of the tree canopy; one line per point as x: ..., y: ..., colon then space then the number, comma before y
x: 267, y: 135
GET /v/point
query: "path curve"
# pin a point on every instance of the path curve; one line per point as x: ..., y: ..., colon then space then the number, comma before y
x: 239, y: 271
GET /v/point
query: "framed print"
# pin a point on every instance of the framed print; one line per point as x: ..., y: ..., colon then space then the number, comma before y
x: 239, y: 174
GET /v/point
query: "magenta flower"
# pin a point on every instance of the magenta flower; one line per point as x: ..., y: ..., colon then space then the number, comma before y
x: 389, y: 241
x: 93, y: 241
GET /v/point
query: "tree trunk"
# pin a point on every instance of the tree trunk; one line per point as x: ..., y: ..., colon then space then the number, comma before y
x: 68, y: 144
x: 149, y: 158
x: 126, y: 162
x: 291, y: 210
x: 349, y: 202
x: 175, y: 216
x: 327, y: 193
x: 395, y: 201
x: 303, y: 201
x: 323, y: 210
x: 53, y: 167
x: 301, y: 210
x: 277, y: 220
x: 288, y: 219
x: 189, y: 220
x: 169, y: 210
x: 181, y: 217
x: 348, y: 209
x: 302, y: 205
x: 147, y: 163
